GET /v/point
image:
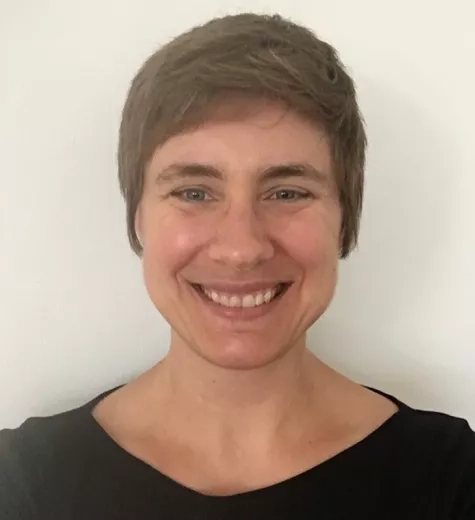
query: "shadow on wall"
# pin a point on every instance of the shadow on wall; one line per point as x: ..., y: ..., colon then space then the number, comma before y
x: 405, y: 227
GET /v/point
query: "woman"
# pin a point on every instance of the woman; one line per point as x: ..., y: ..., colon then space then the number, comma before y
x: 241, y: 160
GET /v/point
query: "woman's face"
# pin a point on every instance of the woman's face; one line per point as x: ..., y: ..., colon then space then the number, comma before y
x: 240, y: 227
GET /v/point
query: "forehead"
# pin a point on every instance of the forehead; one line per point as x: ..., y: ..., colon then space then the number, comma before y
x: 266, y: 136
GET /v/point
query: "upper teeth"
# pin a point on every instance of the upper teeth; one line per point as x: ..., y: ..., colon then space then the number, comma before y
x: 245, y: 300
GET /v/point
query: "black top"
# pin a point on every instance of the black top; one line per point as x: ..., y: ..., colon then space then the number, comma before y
x: 417, y: 465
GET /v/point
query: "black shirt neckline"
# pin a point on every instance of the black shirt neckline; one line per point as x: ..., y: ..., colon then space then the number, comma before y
x: 374, y: 441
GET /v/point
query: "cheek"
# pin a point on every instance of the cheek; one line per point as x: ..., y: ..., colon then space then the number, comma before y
x: 171, y: 242
x: 313, y: 240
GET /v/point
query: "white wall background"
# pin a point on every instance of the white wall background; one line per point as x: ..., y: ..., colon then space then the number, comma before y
x: 74, y: 317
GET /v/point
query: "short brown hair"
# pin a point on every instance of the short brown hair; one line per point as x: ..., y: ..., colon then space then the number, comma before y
x: 255, y: 57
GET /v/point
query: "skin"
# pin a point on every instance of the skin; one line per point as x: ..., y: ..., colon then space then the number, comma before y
x: 241, y: 232
x: 256, y: 407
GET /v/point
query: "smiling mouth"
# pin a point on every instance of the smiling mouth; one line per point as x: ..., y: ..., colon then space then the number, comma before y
x: 243, y: 301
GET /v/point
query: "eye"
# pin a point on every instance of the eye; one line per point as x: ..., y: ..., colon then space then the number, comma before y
x: 192, y: 195
x: 289, y: 195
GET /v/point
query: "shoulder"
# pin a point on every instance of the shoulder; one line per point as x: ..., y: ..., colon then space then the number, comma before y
x: 429, y: 430
x: 435, y: 453
x: 38, y: 438
x: 442, y: 441
x: 37, y: 456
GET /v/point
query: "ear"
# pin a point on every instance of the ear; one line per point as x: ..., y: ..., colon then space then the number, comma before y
x: 138, y: 225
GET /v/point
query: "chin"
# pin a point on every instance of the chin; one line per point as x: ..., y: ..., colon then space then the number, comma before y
x: 244, y: 355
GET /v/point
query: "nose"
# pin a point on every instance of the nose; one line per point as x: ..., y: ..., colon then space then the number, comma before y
x: 241, y: 241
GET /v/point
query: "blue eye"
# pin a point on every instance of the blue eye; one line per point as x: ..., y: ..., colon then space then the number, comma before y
x: 192, y: 195
x: 289, y: 195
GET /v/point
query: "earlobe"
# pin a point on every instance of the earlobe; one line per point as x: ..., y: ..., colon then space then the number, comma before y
x: 138, y: 227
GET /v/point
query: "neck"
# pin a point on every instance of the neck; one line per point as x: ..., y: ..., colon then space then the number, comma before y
x: 262, y: 403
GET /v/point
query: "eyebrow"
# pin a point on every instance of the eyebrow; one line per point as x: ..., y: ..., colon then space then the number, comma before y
x: 283, y: 171
x: 179, y: 171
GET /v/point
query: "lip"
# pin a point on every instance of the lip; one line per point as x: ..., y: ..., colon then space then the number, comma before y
x: 239, y: 314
